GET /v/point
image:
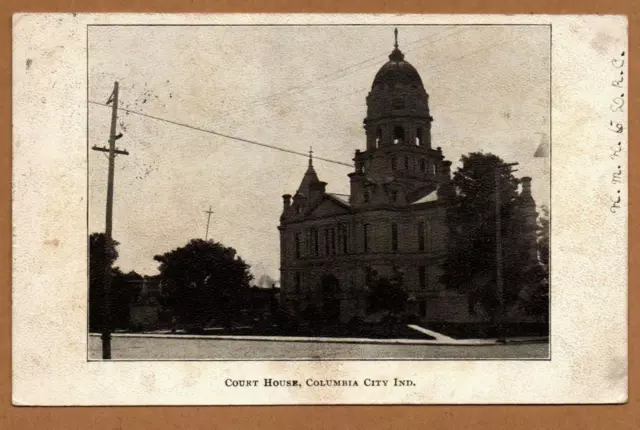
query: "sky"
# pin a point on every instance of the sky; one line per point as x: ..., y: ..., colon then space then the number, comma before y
x: 294, y: 87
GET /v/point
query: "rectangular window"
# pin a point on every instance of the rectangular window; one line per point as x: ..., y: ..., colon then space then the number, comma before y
x: 344, y: 239
x: 406, y: 163
x: 429, y: 237
x: 298, y: 244
x: 421, y: 236
x: 423, y: 308
x: 394, y: 237
x: 365, y: 231
x: 333, y: 241
x: 314, y: 241
x: 394, y: 196
x: 326, y: 242
x: 422, y: 275
x: 298, y: 285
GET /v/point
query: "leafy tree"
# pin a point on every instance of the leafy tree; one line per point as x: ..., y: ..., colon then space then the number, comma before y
x: 535, y: 298
x: 100, y: 258
x: 203, y: 280
x: 470, y: 264
x: 387, y: 293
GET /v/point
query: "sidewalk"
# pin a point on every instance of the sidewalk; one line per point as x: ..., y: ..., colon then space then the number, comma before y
x: 440, y: 339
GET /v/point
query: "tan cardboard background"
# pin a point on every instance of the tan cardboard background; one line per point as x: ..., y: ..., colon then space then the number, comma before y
x: 458, y: 417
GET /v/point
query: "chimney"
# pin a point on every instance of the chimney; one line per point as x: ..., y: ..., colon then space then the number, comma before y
x: 317, y: 190
x: 286, y: 201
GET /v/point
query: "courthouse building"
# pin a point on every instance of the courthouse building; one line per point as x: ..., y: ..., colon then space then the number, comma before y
x: 392, y: 224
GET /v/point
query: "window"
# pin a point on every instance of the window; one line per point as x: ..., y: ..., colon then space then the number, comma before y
x: 344, y: 239
x: 429, y: 238
x: 394, y: 196
x: 394, y: 237
x: 333, y: 240
x: 406, y: 163
x: 314, y: 242
x: 423, y: 165
x: 422, y: 276
x: 419, y: 136
x: 366, y: 197
x: 378, y: 137
x: 298, y: 283
x: 393, y: 163
x: 326, y: 242
x: 421, y: 236
x: 298, y: 244
x: 365, y: 232
x: 398, y: 135
x: 433, y: 168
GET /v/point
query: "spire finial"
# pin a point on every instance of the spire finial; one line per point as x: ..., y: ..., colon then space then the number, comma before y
x: 310, y: 156
x: 396, y: 54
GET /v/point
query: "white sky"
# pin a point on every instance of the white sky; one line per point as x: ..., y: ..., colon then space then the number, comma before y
x: 488, y: 88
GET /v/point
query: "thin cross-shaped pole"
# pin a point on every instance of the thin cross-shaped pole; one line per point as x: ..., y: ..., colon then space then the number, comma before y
x: 209, y: 212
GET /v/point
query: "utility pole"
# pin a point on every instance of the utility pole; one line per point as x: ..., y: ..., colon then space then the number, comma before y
x: 499, y: 281
x: 209, y: 212
x: 111, y: 151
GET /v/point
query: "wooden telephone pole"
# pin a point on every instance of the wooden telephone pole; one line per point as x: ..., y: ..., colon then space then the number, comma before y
x: 111, y: 151
x: 499, y: 280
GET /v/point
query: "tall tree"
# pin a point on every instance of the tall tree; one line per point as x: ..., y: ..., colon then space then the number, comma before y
x: 203, y: 280
x: 99, y: 259
x: 470, y: 264
x: 535, y: 298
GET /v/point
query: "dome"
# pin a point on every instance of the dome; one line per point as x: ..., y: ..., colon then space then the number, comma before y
x: 397, y: 71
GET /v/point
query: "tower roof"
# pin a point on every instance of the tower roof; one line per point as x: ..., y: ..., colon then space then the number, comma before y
x: 397, y: 70
x: 310, y: 177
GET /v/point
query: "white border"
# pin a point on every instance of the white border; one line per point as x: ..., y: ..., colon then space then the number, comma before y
x: 589, y: 244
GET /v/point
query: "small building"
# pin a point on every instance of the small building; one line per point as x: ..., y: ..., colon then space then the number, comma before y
x: 146, y: 309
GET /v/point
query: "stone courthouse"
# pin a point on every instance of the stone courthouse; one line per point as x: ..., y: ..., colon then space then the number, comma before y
x: 392, y: 224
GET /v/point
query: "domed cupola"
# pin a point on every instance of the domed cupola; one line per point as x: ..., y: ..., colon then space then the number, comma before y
x: 397, y: 105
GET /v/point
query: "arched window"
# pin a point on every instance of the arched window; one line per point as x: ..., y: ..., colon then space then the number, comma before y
x: 398, y: 134
x: 419, y: 136
x: 393, y: 163
x: 378, y: 137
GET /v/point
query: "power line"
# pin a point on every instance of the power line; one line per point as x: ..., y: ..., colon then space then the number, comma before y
x: 435, y: 67
x: 300, y: 87
x: 227, y: 136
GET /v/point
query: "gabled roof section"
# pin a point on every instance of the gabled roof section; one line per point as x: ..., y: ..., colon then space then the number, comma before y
x: 341, y: 198
x: 329, y: 204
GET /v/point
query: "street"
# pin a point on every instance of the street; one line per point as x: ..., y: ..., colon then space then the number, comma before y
x: 141, y: 348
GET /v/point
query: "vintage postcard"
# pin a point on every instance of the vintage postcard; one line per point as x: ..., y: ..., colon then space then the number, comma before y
x: 319, y: 209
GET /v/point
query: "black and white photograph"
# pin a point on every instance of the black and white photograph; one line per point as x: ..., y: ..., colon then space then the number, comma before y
x: 311, y: 209
x: 319, y: 192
